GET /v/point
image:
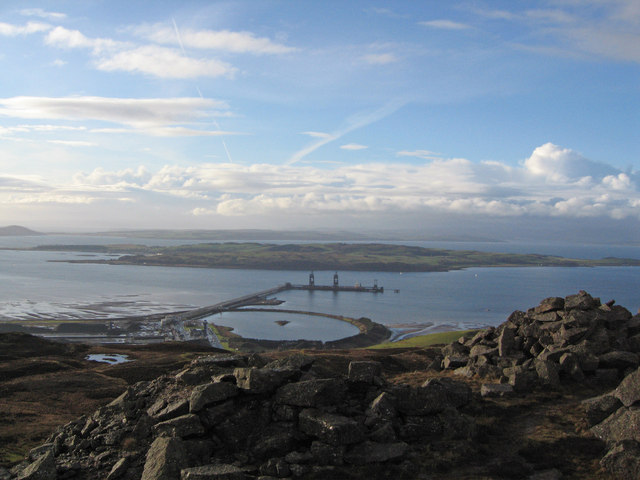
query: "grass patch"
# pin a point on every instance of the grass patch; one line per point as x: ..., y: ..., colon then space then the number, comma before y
x: 11, y: 455
x: 422, y: 341
x: 222, y: 334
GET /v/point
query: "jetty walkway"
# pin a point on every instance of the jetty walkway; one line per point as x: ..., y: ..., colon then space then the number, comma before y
x: 250, y: 299
x: 261, y: 297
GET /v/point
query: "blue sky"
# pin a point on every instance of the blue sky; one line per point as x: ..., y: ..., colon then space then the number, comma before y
x: 412, y: 115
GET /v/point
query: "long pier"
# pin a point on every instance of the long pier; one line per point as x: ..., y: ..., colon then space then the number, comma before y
x: 173, y: 323
x: 250, y: 299
x: 261, y: 297
x: 340, y: 288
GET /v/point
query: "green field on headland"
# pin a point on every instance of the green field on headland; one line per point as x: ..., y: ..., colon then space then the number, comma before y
x: 322, y: 256
x: 423, y: 341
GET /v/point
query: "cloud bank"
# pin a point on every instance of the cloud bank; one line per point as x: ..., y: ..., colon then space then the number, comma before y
x: 551, y: 182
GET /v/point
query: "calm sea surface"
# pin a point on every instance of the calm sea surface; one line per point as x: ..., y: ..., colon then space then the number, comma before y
x: 34, y: 287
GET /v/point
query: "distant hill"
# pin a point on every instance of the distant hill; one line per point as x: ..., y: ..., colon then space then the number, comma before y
x: 288, y: 235
x: 17, y: 230
x: 238, y: 235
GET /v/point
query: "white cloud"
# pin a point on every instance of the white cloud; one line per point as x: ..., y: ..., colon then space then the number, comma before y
x: 9, y: 30
x: 445, y: 25
x: 380, y: 58
x: 101, y: 177
x: 111, y: 55
x: 622, y: 181
x: 64, y: 38
x: 21, y: 183
x: 425, y: 154
x: 164, y: 63
x: 73, y: 143
x: 548, y: 184
x: 353, y: 146
x: 318, y: 134
x: 39, y: 12
x: 562, y: 164
x: 225, y: 40
x: 135, y: 112
x: 167, y: 132
x: 50, y: 128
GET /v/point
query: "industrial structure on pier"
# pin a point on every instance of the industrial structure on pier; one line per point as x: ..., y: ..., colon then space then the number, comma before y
x: 336, y: 287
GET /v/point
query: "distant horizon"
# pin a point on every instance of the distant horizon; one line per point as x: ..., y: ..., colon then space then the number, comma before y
x: 490, y: 119
x: 326, y: 234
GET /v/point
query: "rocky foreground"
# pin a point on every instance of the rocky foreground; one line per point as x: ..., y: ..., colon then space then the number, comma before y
x: 552, y: 393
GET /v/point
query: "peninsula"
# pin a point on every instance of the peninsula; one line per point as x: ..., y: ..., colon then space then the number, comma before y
x: 320, y: 256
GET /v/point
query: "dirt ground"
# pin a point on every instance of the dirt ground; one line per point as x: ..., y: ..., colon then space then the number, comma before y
x: 45, y: 384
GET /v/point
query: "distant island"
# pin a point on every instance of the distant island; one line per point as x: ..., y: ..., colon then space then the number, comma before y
x: 16, y: 231
x: 321, y: 256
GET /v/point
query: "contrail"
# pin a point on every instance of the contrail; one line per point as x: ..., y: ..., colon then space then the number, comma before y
x: 359, y: 120
x: 215, y: 122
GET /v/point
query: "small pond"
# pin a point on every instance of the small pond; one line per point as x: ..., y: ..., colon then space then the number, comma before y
x: 110, y: 358
x: 284, y: 326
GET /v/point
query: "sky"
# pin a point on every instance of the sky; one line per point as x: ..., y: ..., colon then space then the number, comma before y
x: 488, y: 118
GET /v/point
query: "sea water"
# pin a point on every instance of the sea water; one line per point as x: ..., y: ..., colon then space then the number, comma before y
x: 33, y: 287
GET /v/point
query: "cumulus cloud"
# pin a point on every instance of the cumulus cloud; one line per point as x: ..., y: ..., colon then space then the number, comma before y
x: 225, y: 40
x: 102, y: 177
x: 547, y: 184
x: 558, y: 164
x: 622, y: 181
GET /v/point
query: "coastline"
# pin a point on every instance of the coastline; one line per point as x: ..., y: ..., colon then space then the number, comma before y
x: 150, y: 329
x: 372, y: 257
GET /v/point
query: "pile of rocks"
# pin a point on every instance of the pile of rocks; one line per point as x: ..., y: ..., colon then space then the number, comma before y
x: 237, y: 417
x: 575, y: 338
x: 615, y: 418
